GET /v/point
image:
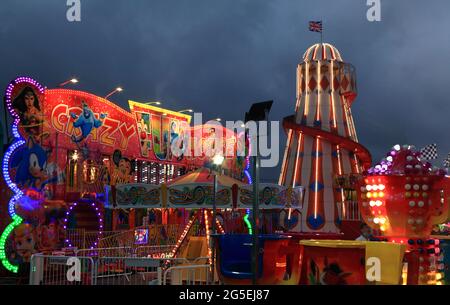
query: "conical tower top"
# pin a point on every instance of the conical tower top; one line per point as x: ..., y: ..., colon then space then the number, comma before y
x: 322, y: 51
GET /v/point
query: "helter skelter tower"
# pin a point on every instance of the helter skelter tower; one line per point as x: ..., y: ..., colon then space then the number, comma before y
x: 321, y: 136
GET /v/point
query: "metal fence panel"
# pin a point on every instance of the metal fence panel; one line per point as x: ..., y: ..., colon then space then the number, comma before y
x: 188, y: 275
x: 61, y: 270
x: 118, y: 270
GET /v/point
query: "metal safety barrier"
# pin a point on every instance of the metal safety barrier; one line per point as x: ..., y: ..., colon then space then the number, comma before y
x: 61, y: 270
x: 188, y: 275
x: 102, y: 270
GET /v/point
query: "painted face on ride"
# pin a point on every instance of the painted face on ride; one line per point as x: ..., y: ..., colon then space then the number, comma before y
x: 24, y: 241
x: 29, y: 100
x: 124, y: 167
x: 86, y: 111
x: 37, y: 164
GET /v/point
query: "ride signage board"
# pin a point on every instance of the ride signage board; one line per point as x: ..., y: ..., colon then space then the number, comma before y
x: 200, y: 195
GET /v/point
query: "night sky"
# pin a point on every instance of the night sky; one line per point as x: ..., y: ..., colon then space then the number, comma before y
x: 220, y: 56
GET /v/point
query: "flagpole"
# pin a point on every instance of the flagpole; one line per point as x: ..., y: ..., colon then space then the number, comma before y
x: 321, y: 34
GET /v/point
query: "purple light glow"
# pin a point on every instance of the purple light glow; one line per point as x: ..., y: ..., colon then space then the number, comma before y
x: 100, y: 221
x: 19, y: 141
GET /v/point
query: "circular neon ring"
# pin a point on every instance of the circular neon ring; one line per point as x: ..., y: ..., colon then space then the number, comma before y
x: 100, y: 224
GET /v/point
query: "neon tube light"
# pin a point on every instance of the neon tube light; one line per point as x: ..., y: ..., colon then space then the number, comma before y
x: 294, y: 178
x: 247, y: 222
x: 316, y: 186
x: 18, y: 142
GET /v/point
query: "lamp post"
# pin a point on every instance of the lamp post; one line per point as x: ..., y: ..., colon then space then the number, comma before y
x: 185, y: 110
x: 153, y: 103
x: 118, y: 89
x: 258, y: 112
x: 72, y: 81
x: 217, y: 161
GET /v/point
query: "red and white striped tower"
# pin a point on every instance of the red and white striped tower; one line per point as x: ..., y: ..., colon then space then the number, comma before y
x: 322, y: 140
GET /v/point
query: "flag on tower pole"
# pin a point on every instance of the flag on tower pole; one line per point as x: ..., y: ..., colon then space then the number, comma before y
x: 429, y: 152
x: 316, y: 26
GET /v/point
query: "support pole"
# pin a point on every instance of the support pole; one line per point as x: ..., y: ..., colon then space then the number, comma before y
x: 214, y: 229
x: 255, y: 250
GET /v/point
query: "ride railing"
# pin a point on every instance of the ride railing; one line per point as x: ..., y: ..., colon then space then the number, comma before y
x: 82, y: 270
x: 126, y: 251
x: 106, y: 252
x: 157, y: 235
x: 81, y: 238
x: 163, y: 251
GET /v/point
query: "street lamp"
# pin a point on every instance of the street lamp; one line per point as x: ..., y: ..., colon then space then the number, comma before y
x: 153, y: 103
x: 185, y: 110
x: 217, y: 119
x: 217, y: 161
x: 118, y: 89
x: 72, y: 80
x: 257, y: 112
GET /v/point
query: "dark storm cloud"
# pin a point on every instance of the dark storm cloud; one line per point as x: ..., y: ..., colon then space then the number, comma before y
x: 219, y: 56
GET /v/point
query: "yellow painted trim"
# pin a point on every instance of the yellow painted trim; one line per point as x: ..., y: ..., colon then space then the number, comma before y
x: 158, y: 109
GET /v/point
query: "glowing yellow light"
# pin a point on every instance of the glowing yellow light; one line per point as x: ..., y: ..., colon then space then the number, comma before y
x: 318, y: 91
x: 380, y: 194
x: 307, y: 93
x: 296, y: 159
x: 357, y: 164
x: 332, y: 97
x: 283, y: 167
x: 218, y: 159
x: 369, y: 195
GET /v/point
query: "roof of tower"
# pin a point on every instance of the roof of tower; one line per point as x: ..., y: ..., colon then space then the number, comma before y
x: 322, y: 51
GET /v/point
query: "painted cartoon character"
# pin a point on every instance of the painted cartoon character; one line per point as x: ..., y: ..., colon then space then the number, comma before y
x: 176, y: 141
x: 49, y: 235
x: 31, y: 164
x: 332, y: 274
x: 25, y: 241
x: 28, y: 107
x: 123, y: 170
x: 143, y: 126
x: 86, y: 121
